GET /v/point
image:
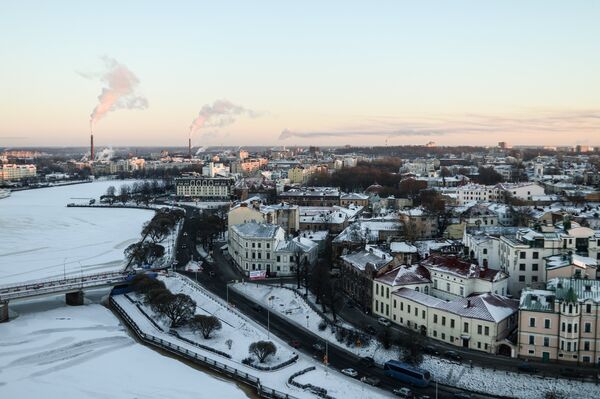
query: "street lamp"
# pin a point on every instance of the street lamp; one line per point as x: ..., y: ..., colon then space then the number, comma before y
x: 268, y: 323
x: 307, y: 321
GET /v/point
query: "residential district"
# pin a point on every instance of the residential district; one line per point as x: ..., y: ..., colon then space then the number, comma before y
x: 491, y: 253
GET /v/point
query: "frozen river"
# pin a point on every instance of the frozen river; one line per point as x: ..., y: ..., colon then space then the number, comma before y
x: 41, y: 238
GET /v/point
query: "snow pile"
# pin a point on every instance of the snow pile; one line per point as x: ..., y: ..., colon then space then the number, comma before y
x: 56, y: 351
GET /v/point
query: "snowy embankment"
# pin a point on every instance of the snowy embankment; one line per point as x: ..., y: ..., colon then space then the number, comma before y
x: 289, y: 304
x: 337, y: 384
x: 56, y: 351
x: 292, y: 306
x: 43, y: 239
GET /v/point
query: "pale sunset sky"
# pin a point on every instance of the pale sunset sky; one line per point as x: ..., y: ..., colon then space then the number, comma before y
x: 305, y: 72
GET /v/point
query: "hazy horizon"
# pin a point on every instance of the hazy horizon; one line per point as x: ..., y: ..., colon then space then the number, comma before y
x: 310, y: 73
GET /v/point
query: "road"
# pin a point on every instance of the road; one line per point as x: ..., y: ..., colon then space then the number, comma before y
x: 215, y: 278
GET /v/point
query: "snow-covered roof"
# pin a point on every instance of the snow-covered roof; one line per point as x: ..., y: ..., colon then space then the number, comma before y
x: 406, y: 275
x: 369, y: 255
x: 488, y: 307
x: 256, y: 230
x: 452, y: 264
x: 402, y: 247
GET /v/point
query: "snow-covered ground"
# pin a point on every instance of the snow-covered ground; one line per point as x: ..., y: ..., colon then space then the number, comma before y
x: 42, y: 238
x: 336, y: 383
x: 235, y: 328
x: 292, y: 306
x: 56, y: 351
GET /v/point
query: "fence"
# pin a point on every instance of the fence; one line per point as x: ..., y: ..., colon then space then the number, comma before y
x: 232, y: 372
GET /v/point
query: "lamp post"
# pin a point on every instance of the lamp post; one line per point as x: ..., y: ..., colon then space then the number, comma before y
x: 307, y: 321
x: 268, y: 323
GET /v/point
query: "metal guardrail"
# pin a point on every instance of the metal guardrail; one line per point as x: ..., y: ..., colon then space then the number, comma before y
x: 244, y: 377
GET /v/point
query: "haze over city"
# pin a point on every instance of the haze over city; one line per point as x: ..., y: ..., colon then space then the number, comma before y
x: 334, y: 73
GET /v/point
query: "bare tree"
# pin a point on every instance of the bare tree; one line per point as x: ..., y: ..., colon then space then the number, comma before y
x: 178, y: 308
x: 262, y: 350
x: 206, y: 325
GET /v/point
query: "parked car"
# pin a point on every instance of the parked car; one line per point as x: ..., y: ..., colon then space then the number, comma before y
x: 453, y: 355
x: 526, y: 368
x: 350, y: 373
x: 257, y: 307
x: 403, y: 392
x: 371, y: 330
x: 374, y: 381
x: 384, y: 322
x: 295, y: 343
x: 367, y: 361
x: 319, y: 347
x: 430, y: 349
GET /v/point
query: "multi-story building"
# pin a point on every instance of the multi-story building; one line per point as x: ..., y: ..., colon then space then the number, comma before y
x: 253, y: 210
x: 204, y: 188
x: 359, y: 269
x: 357, y: 199
x: 480, y: 322
x: 415, y: 277
x: 476, y: 192
x: 248, y: 165
x: 11, y: 171
x: 311, y: 196
x: 561, y: 322
x: 264, y: 247
x: 479, y: 215
x: 419, y: 223
x: 454, y: 278
x: 212, y: 169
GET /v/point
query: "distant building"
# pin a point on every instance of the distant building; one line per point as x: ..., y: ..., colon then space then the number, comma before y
x: 204, y: 188
x: 311, y: 196
x: 9, y: 172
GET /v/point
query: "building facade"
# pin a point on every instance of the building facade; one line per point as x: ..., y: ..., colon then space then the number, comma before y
x: 204, y: 188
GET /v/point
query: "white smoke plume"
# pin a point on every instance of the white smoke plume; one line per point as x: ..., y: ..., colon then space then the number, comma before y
x: 221, y: 113
x: 119, y: 91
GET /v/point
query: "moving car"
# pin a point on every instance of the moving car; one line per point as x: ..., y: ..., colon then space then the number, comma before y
x: 430, y: 349
x: 318, y: 347
x: 403, y: 392
x: 384, y: 322
x: 350, y: 373
x: 374, y: 381
x: 453, y: 355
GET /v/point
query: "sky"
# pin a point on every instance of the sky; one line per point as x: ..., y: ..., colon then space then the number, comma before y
x: 300, y: 73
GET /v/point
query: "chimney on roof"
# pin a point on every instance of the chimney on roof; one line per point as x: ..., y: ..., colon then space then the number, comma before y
x: 468, y: 303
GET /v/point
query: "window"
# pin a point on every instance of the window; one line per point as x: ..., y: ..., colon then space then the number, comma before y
x: 268, y: 246
x: 423, y: 315
x: 253, y: 245
x: 435, y: 318
x: 534, y: 279
x: 462, y: 291
x: 536, y: 255
x: 443, y: 336
x: 443, y: 320
x: 268, y: 255
x: 434, y: 333
x: 531, y: 340
x: 522, y: 255
x: 408, y: 308
x: 448, y: 287
x: 451, y: 323
x: 376, y: 289
x: 569, y: 328
x: 387, y: 309
x: 258, y: 244
x: 546, y: 323
x: 487, y: 330
x: 278, y: 258
x: 522, y: 267
x: 521, y: 278
x: 562, y: 327
x: 402, y: 306
x: 587, y: 327
x: 466, y: 327
x: 387, y: 292
x: 546, y: 341
x: 532, y: 322
x: 586, y: 345
x: 394, y: 304
x: 479, y: 329
x: 534, y: 267
x: 588, y: 307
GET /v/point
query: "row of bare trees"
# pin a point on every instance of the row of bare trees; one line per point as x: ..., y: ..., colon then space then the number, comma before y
x: 139, y: 192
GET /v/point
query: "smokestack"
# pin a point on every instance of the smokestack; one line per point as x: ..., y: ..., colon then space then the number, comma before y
x: 190, y: 147
x: 92, y: 146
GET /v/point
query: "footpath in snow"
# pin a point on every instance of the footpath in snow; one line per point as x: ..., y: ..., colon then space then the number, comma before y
x: 242, y: 332
x: 289, y: 304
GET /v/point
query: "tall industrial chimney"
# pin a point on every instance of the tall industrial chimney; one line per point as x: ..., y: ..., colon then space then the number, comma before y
x: 190, y: 147
x: 92, y: 146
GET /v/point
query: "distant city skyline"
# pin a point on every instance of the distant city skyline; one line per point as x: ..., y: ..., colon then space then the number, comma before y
x: 309, y: 73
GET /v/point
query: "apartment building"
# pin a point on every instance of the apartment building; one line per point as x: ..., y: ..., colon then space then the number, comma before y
x: 415, y: 277
x: 204, y: 188
x: 264, y: 247
x: 11, y: 171
x: 311, y: 196
x: 561, y: 322
x: 253, y: 210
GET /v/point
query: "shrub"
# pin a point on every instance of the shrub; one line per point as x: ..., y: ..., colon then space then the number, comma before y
x: 322, y: 325
x: 262, y: 350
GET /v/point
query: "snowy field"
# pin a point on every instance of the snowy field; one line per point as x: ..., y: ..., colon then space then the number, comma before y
x: 56, y: 351
x: 40, y: 235
x: 292, y: 306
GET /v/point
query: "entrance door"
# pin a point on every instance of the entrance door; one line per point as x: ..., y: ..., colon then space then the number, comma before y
x: 465, y: 342
x: 545, y: 356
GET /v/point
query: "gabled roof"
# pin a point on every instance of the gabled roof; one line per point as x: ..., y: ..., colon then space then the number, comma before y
x: 256, y: 230
x: 454, y: 265
x: 370, y: 255
x: 405, y: 275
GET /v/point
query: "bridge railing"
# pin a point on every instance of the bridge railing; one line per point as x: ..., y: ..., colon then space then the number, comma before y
x: 36, y: 283
x: 239, y: 375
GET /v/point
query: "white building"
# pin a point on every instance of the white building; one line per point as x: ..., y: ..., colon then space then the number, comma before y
x: 212, y: 169
x: 204, y: 188
x: 11, y: 171
x: 261, y: 246
x: 476, y: 192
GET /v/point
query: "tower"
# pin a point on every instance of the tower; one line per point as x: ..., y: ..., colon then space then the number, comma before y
x: 91, y: 146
